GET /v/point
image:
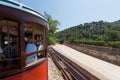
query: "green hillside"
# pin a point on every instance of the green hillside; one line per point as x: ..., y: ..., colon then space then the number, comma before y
x: 95, y: 33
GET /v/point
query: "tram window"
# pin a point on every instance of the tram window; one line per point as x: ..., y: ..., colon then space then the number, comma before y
x: 9, y: 45
x: 30, y: 46
x: 28, y: 34
x: 35, y: 42
x: 40, y: 45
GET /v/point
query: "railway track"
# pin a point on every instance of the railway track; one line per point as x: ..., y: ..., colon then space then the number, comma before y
x: 69, y: 69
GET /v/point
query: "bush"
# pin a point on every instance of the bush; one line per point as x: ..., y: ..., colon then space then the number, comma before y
x: 112, y: 35
x: 100, y: 38
x: 86, y: 41
x: 99, y: 43
x: 51, y: 40
x: 61, y: 41
x: 72, y: 39
x: 92, y: 42
x: 115, y: 44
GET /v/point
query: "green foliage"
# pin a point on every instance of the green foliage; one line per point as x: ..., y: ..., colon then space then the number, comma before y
x: 99, y: 38
x: 85, y: 41
x: 113, y: 35
x: 61, y: 40
x: 72, y: 39
x: 99, y: 43
x: 52, y: 29
x: 95, y: 33
x: 51, y: 40
x: 115, y: 44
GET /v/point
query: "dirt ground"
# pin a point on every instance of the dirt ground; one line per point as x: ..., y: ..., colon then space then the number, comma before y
x: 53, y: 72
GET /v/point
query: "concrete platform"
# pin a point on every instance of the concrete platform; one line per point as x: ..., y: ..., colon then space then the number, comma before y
x: 101, y: 69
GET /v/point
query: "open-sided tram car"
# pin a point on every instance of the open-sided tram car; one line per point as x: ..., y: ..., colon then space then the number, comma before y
x: 19, y: 23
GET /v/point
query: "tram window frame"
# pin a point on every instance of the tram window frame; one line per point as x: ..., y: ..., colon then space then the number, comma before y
x: 5, y: 42
x: 33, y: 36
x: 21, y: 54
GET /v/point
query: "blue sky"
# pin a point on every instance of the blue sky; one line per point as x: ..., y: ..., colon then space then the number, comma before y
x: 74, y: 12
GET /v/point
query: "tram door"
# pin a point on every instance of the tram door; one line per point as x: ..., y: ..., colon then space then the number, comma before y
x: 8, y: 45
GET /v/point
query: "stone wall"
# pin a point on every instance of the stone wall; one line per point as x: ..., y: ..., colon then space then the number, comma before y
x: 105, y: 53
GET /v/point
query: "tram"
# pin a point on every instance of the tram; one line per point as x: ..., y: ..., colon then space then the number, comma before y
x: 18, y: 25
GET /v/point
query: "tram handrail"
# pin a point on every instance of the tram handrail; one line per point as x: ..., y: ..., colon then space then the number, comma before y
x: 29, y: 54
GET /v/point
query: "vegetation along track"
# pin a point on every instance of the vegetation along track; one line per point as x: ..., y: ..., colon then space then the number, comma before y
x: 69, y: 69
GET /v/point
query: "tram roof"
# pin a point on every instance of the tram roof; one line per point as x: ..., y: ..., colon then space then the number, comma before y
x: 20, y: 6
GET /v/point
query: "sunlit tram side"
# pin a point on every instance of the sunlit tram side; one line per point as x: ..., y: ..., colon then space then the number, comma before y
x: 23, y: 42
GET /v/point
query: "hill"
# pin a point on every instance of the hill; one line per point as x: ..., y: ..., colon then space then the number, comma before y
x: 95, y: 33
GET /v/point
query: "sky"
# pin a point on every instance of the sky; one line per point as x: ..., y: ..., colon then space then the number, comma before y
x: 74, y: 12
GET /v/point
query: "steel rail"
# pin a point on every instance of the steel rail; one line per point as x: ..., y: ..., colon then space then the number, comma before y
x: 69, y: 69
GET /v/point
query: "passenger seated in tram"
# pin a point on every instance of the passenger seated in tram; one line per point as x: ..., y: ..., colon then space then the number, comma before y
x: 40, y: 47
x: 38, y: 40
x: 31, y: 47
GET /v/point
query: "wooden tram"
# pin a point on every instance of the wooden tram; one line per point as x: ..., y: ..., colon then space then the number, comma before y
x: 17, y: 24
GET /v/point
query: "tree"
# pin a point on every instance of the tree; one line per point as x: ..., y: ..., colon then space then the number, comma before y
x: 72, y: 39
x: 94, y: 33
x: 52, y: 28
x: 113, y: 35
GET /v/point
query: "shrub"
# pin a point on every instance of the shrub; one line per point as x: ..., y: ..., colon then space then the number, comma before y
x: 51, y: 40
x: 72, y: 39
x: 115, y: 44
x: 92, y: 42
x: 61, y: 41
x: 99, y: 43
x: 86, y: 41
